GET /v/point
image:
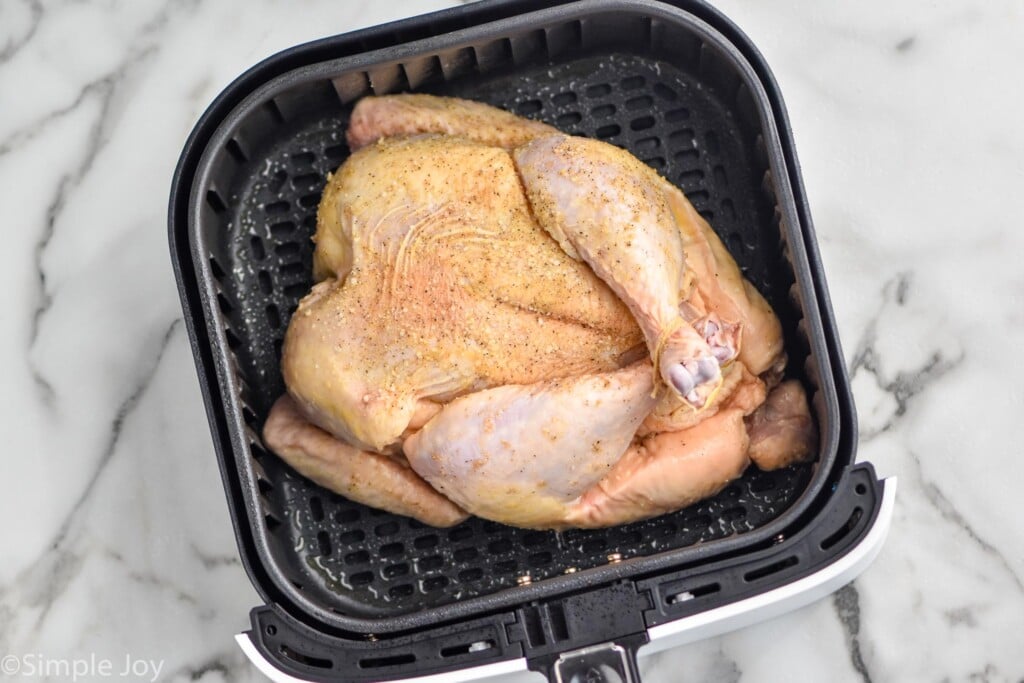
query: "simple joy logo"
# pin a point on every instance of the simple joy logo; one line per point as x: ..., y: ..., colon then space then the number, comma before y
x: 35, y: 665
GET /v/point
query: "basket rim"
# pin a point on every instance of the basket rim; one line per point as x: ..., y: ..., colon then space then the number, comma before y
x: 225, y: 417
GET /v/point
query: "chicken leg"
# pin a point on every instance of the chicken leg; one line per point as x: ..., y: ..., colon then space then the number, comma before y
x: 722, y: 291
x: 561, y: 454
x: 522, y: 454
x: 608, y: 209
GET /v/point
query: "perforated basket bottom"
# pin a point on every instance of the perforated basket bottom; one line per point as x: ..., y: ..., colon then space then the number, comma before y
x: 363, y: 561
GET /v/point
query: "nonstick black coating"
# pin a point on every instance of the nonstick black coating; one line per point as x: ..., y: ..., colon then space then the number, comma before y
x: 685, y: 117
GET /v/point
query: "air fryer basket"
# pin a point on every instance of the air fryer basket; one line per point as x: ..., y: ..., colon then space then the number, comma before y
x: 643, y: 75
x: 679, y: 106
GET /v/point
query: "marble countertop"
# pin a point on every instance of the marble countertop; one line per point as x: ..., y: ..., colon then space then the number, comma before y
x: 116, y: 537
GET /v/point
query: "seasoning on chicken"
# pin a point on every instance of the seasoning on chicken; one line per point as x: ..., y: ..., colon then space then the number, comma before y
x: 525, y: 326
x: 439, y: 283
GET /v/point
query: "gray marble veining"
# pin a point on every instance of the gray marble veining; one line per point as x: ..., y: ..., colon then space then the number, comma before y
x: 117, y: 540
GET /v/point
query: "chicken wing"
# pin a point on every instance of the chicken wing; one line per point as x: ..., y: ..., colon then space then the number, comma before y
x: 403, y: 115
x: 381, y: 481
x: 782, y: 431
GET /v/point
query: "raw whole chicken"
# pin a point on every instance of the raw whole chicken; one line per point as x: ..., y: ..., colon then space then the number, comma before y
x: 526, y: 326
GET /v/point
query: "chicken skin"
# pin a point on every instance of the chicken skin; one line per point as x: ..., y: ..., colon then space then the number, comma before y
x: 525, y: 326
x: 525, y: 453
x: 608, y: 209
x: 373, y: 479
x: 781, y: 429
x: 442, y: 284
x: 405, y: 115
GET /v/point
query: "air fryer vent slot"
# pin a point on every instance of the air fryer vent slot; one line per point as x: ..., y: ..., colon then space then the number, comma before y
x: 383, y: 662
x: 306, y: 660
x: 468, y: 648
x: 844, y: 531
x: 693, y: 593
x: 773, y: 568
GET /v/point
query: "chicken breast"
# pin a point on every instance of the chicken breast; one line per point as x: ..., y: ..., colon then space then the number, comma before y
x: 438, y: 282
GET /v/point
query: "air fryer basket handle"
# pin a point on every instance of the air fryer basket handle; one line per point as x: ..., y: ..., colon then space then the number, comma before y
x: 605, y: 663
x: 593, y: 635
